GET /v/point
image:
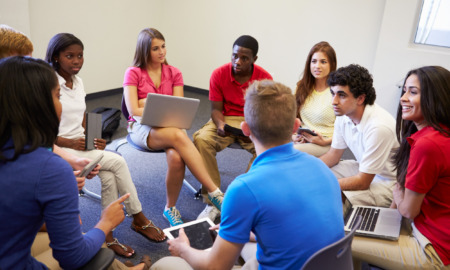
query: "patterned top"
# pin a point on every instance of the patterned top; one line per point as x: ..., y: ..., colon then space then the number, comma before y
x: 317, y: 113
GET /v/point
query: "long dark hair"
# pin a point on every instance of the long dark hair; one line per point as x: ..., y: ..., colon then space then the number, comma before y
x: 59, y: 43
x: 306, y: 84
x: 28, y: 114
x: 435, y: 105
x: 144, y: 45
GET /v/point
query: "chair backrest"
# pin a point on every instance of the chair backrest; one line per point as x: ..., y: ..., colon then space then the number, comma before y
x: 334, y: 256
x: 124, y: 109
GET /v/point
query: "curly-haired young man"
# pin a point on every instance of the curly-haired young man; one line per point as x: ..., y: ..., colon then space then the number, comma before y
x: 369, y: 131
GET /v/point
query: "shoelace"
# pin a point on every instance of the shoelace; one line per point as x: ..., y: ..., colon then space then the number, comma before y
x: 175, y: 215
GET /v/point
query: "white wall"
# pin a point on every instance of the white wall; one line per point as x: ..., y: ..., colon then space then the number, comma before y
x: 396, y: 54
x: 108, y: 29
x: 286, y: 30
x: 15, y: 14
x: 199, y: 34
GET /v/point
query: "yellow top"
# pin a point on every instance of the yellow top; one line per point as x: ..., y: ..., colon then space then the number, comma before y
x: 317, y: 113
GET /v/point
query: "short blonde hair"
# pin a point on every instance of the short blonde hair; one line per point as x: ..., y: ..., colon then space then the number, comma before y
x: 269, y: 111
x: 13, y: 42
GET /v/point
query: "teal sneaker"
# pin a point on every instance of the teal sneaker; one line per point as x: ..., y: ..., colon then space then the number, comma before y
x: 217, y: 199
x: 173, y: 216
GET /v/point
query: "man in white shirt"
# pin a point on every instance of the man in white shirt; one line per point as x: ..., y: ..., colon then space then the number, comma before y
x: 369, y: 131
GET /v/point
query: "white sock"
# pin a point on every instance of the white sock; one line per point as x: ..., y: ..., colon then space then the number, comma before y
x: 215, y: 192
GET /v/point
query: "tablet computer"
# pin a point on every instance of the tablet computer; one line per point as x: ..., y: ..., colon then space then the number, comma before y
x: 233, y: 130
x: 197, y: 231
x: 88, y: 168
x: 93, y: 129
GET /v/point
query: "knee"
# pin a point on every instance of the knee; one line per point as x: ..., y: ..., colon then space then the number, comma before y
x: 112, y: 159
x: 174, y: 160
x: 179, y: 135
x: 202, y: 140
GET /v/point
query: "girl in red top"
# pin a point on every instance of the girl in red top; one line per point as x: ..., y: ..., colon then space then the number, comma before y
x: 423, y: 173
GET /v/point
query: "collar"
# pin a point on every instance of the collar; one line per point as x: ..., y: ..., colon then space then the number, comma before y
x: 232, y: 79
x: 284, y: 151
x: 368, y: 109
x: 420, y: 133
x: 62, y: 81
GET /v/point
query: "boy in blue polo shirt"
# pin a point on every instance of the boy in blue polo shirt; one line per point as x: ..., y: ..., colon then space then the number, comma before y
x: 289, y: 201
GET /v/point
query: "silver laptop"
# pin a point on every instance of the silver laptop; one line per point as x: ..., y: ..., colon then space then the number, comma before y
x: 169, y: 111
x: 378, y: 222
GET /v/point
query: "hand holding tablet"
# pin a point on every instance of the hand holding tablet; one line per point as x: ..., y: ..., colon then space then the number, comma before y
x: 300, y: 130
x: 88, y: 168
x: 197, y: 231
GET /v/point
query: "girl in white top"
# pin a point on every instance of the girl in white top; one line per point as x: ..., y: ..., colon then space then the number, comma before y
x: 65, y: 54
x: 314, y: 101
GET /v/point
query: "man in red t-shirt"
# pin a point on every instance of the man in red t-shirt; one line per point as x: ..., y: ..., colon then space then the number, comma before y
x: 227, y: 88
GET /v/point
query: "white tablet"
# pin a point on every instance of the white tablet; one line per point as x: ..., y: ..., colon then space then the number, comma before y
x: 198, y: 232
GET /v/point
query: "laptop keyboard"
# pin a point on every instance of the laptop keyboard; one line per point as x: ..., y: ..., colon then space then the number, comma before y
x: 369, y: 218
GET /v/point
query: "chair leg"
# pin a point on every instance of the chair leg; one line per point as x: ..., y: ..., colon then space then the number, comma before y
x: 120, y: 143
x: 85, y: 191
x: 191, y: 188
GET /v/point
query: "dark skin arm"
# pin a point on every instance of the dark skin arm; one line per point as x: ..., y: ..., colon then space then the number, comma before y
x: 218, y: 118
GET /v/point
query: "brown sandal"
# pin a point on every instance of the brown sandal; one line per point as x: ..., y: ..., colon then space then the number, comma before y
x: 121, y: 249
x: 143, y: 230
x: 145, y: 260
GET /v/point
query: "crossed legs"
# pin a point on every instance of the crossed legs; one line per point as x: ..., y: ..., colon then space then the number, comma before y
x: 180, y: 152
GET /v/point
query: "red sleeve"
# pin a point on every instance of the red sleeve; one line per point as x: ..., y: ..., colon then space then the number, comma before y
x: 423, y: 167
x: 215, y: 91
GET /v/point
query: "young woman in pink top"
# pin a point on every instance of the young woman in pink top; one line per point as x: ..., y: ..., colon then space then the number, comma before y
x: 150, y: 73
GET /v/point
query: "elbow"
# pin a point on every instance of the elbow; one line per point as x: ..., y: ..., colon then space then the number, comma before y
x: 408, y: 213
x: 365, y: 185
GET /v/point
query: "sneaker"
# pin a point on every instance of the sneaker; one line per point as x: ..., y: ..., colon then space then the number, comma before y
x: 216, y: 199
x: 210, y: 211
x: 173, y: 216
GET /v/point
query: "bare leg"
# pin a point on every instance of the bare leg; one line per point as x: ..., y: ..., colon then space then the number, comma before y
x: 175, y: 175
x: 163, y: 138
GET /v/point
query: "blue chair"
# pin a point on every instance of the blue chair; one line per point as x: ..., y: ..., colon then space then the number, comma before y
x: 337, y: 256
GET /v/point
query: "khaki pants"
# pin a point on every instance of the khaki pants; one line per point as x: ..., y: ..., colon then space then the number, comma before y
x: 379, y: 192
x: 177, y: 263
x: 411, y: 251
x: 312, y: 148
x: 209, y: 143
x: 115, y: 178
x: 42, y: 252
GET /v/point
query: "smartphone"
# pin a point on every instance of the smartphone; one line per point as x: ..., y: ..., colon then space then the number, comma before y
x: 88, y: 168
x: 307, y: 130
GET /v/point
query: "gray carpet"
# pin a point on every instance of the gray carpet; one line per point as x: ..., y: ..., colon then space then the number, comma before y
x: 148, y: 171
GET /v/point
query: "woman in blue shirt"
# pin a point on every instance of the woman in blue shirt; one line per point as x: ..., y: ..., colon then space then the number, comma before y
x: 39, y: 186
